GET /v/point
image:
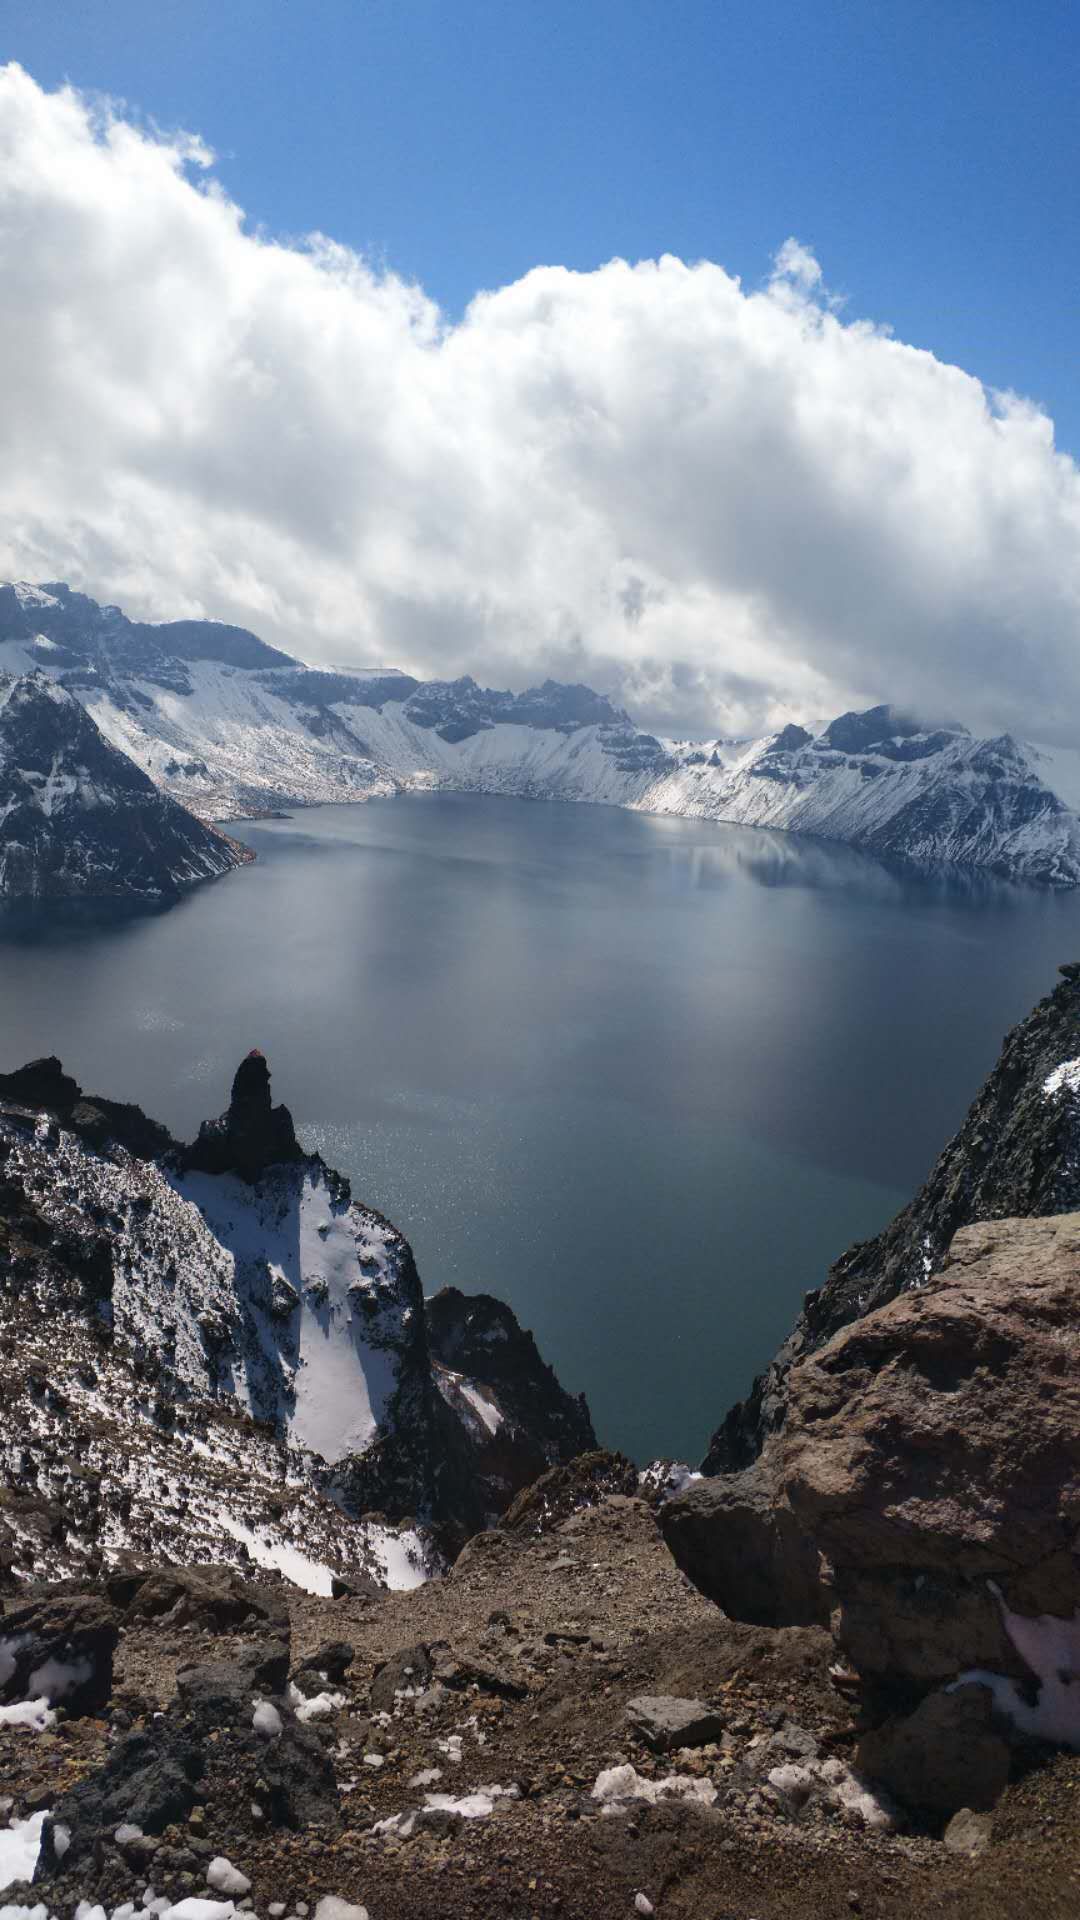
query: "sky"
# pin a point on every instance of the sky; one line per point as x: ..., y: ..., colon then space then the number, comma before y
x: 721, y: 354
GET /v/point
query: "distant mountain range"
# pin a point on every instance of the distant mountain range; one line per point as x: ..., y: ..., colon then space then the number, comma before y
x: 231, y: 727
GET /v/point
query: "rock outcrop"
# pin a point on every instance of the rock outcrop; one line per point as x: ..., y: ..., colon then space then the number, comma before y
x: 232, y: 1298
x: 59, y: 1650
x: 252, y: 1134
x: 521, y: 1421
x: 930, y: 1463
x: 1016, y: 1154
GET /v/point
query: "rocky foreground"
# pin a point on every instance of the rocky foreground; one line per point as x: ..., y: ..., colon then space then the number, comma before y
x: 843, y: 1679
x: 561, y: 1726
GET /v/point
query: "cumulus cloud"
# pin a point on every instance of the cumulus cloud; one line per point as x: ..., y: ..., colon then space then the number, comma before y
x: 729, y: 507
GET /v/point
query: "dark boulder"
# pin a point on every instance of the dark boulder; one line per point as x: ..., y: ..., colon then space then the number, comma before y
x: 59, y: 1649
x: 206, y: 1745
x: 219, y: 1692
x: 407, y: 1671
x: 944, y: 1756
x: 746, y: 1551
x: 666, y: 1722
x: 333, y: 1658
x: 215, y: 1598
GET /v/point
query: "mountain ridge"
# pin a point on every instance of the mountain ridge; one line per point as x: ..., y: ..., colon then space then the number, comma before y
x: 233, y: 728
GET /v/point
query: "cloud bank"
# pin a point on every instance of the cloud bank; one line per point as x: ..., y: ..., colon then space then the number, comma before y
x: 728, y: 507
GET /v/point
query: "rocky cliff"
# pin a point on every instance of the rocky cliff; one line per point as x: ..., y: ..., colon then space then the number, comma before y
x: 78, y: 818
x: 229, y: 1303
x: 909, y: 1471
x: 1017, y: 1153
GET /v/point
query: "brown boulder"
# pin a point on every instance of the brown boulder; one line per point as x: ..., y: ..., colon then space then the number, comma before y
x: 212, y: 1597
x: 932, y: 1451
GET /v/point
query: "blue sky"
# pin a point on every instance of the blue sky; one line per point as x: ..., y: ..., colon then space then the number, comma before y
x: 729, y: 502
x: 928, y: 153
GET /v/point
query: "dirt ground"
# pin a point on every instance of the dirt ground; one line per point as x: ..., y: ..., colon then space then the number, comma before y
x: 547, y: 1639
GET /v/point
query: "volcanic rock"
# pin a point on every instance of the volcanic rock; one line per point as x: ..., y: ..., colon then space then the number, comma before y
x: 212, y: 1597
x: 407, y: 1671
x: 60, y: 1650
x: 252, y: 1134
x: 582, y: 1482
x: 931, y: 1454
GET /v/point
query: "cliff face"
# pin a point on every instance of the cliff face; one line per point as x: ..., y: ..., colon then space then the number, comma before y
x: 908, y: 1471
x: 78, y: 818
x: 230, y: 1299
x: 1017, y: 1154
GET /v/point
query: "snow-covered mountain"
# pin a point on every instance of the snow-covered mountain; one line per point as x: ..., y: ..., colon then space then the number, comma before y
x: 884, y: 783
x: 213, y: 1351
x: 232, y: 727
x: 78, y: 817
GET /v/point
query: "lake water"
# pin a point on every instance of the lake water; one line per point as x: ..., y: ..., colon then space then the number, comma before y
x: 642, y: 1078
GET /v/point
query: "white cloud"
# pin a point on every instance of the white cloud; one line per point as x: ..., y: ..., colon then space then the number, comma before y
x: 796, y: 262
x: 726, y: 506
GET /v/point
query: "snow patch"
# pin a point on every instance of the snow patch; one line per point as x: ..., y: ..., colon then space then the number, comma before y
x: 1050, y: 1646
x: 840, y: 1787
x: 287, y: 1560
x: 35, y: 1715
x: 617, y: 1788
x: 1065, y: 1079
x: 318, y: 1707
x: 225, y: 1878
x: 489, y: 1413
x: 266, y: 1720
x: 20, y: 1844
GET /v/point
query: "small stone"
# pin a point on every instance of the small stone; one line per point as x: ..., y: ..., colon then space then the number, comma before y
x: 665, y: 1721
x: 642, y: 1904
x: 969, y: 1832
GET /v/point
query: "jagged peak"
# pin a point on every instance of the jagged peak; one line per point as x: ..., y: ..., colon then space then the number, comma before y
x: 252, y: 1134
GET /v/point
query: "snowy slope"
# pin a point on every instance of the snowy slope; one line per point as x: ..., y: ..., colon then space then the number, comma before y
x: 292, y: 1301
x: 78, y: 817
x: 894, y: 789
x: 213, y: 1351
x: 232, y: 728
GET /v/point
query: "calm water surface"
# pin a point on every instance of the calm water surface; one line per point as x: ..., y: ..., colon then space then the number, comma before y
x: 642, y: 1078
